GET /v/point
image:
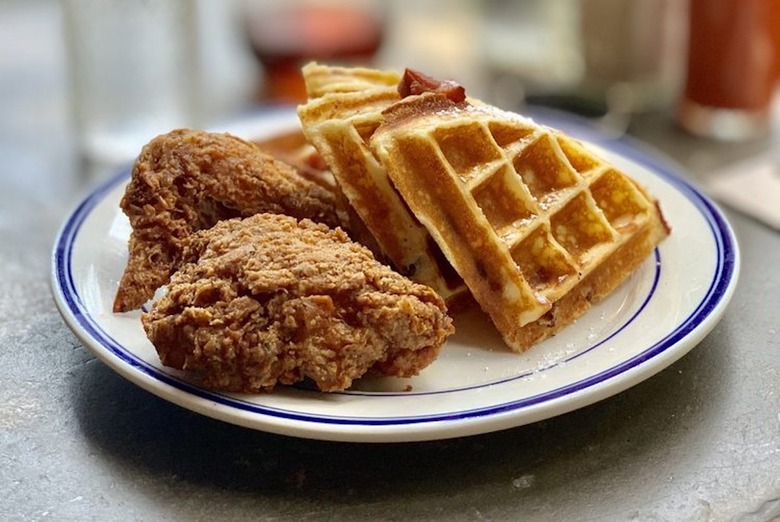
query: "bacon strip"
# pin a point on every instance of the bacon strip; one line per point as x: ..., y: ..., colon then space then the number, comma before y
x: 415, y: 82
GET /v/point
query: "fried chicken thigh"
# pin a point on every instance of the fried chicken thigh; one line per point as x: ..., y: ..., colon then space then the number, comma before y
x: 270, y: 300
x: 186, y: 181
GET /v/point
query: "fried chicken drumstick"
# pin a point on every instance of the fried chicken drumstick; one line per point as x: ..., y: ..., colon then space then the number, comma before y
x: 270, y: 300
x: 186, y: 181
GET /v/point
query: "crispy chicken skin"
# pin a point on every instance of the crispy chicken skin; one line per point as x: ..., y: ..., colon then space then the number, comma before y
x: 269, y: 300
x: 186, y: 181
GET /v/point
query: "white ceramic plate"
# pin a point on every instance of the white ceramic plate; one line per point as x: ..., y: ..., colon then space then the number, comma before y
x: 477, y: 385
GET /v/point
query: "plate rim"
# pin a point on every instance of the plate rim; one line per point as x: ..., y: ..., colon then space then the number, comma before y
x: 593, y: 388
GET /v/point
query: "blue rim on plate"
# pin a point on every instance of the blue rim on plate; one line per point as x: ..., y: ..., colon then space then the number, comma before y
x: 720, y: 288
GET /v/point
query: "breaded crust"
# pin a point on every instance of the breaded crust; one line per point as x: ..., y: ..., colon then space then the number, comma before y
x: 186, y: 181
x: 270, y: 300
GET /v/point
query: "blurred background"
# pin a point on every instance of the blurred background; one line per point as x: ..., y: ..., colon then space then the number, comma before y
x: 84, y: 83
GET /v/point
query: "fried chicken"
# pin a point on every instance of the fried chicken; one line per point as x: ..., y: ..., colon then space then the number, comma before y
x: 269, y: 300
x: 186, y: 181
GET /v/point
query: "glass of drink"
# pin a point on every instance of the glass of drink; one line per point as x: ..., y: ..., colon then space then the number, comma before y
x: 133, y: 75
x: 285, y: 35
x: 732, y: 68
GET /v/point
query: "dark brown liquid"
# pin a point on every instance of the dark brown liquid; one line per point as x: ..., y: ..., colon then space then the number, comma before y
x: 285, y: 39
x: 732, y: 60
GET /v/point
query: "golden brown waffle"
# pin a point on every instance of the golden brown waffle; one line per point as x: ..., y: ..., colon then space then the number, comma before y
x: 538, y: 227
x: 345, y: 106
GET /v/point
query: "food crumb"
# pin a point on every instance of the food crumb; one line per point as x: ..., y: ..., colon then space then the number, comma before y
x: 524, y: 482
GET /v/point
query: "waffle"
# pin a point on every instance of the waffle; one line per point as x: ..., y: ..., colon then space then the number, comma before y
x: 344, y: 107
x: 537, y: 226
